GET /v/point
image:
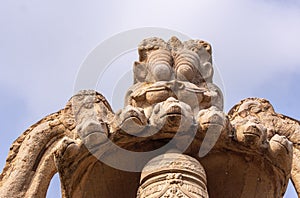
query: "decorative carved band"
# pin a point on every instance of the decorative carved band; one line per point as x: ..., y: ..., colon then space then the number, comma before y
x: 173, y: 175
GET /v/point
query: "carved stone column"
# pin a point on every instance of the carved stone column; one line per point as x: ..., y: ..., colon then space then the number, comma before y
x: 173, y: 175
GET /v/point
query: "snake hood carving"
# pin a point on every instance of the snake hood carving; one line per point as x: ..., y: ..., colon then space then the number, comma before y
x: 172, y: 102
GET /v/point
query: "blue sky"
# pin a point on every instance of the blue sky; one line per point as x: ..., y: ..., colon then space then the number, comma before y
x: 42, y: 44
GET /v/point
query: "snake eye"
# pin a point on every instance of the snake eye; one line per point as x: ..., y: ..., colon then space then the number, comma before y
x: 185, y: 73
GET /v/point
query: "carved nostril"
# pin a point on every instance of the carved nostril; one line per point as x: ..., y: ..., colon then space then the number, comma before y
x: 162, y: 72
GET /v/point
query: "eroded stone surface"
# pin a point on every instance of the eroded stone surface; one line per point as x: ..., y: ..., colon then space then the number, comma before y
x: 252, y: 150
x: 173, y: 175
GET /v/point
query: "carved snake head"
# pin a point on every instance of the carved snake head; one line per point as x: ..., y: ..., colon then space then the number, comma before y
x: 172, y: 116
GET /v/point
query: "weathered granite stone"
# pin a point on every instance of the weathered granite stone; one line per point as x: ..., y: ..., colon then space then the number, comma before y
x: 250, y: 152
x: 173, y: 175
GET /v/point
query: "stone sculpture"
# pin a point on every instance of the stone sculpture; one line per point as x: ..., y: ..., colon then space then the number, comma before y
x: 250, y: 152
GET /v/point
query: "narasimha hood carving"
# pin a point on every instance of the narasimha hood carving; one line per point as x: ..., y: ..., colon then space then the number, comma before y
x: 172, y: 129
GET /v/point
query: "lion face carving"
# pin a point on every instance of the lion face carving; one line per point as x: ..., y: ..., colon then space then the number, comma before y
x: 172, y: 116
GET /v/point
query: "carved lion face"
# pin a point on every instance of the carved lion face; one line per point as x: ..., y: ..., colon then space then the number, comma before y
x: 172, y: 116
x: 252, y: 133
x: 130, y: 120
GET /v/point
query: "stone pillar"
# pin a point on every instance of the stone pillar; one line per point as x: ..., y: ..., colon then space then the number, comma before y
x: 173, y: 175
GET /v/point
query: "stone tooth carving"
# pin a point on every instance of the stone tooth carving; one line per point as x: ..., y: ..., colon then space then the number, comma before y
x: 146, y: 95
